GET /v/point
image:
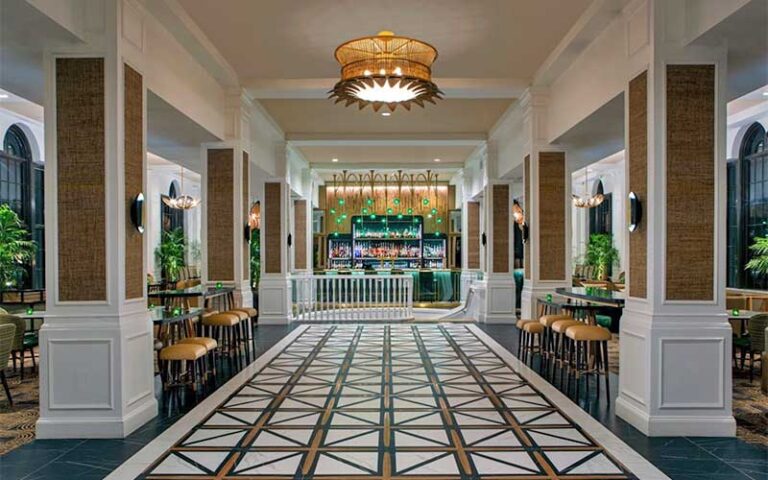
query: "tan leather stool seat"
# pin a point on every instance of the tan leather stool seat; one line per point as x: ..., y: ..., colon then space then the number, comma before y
x: 561, y: 326
x: 548, y: 320
x: 533, y: 327
x: 520, y: 323
x: 221, y: 320
x: 241, y: 315
x: 205, y: 342
x: 179, y: 351
x: 589, y: 333
x: 208, y: 313
x: 251, y: 312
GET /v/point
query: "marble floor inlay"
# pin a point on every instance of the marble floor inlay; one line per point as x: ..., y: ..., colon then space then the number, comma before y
x: 387, y: 401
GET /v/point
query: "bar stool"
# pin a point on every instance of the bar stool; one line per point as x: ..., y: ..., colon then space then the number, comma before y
x: 532, y: 332
x: 559, y: 340
x: 210, y: 345
x: 171, y: 360
x: 223, y: 327
x: 519, y: 325
x: 546, y: 321
x: 588, y: 352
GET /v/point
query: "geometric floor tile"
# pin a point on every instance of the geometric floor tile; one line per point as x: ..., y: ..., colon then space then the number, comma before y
x: 413, y: 400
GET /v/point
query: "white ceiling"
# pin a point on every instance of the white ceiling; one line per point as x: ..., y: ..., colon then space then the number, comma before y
x: 489, y: 50
x: 395, y: 156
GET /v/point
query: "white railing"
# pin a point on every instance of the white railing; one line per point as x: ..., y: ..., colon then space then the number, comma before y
x: 352, y: 297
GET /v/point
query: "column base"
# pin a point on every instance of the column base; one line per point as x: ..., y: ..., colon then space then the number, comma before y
x: 675, y: 373
x: 500, y: 299
x: 531, y: 294
x: 275, y: 300
x: 96, y: 375
x: 467, y: 277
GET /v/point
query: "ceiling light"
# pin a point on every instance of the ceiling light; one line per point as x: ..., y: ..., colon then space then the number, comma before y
x: 334, y: 160
x: 436, y: 160
x: 183, y: 201
x: 765, y: 94
x: 403, y: 67
x: 386, y: 114
x: 3, y: 95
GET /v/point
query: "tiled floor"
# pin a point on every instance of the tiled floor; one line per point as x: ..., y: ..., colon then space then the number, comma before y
x: 679, y: 458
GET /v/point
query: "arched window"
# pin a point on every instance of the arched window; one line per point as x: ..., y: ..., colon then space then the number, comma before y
x: 22, y: 188
x: 600, y: 217
x: 172, y: 218
x: 747, y: 182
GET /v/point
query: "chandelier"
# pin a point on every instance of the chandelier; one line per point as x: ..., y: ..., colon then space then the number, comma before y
x: 385, y: 70
x: 589, y: 201
x: 182, y: 201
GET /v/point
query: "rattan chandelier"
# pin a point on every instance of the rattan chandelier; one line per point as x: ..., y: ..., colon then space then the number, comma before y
x: 589, y: 201
x: 182, y: 201
x: 385, y: 70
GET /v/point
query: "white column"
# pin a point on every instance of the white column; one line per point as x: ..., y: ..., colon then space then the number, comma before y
x: 275, y: 285
x: 96, y: 346
x: 540, y: 281
x: 675, y: 338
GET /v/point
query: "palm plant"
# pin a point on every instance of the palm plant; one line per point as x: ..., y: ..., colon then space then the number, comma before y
x: 758, y: 264
x: 170, y: 253
x: 601, y: 253
x: 16, y: 249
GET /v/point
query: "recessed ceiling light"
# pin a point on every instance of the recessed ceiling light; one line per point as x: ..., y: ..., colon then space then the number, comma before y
x: 765, y: 94
x: 334, y: 160
x: 3, y: 95
x: 386, y: 114
x: 436, y: 160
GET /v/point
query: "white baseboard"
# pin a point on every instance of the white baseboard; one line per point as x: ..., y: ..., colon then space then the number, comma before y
x: 675, y: 425
x: 96, y: 427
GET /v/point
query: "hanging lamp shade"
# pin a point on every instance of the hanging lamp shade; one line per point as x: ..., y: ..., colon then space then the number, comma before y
x: 386, y: 70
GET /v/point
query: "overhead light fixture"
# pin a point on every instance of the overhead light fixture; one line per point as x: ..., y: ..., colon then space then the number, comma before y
x: 3, y: 96
x: 385, y: 70
x: 334, y: 160
x: 386, y: 114
x: 183, y: 201
x: 436, y: 160
x: 589, y: 201
x: 765, y: 94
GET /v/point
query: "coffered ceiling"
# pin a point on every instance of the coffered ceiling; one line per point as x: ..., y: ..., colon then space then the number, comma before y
x: 282, y: 52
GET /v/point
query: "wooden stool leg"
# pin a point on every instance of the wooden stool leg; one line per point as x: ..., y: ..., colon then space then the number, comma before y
x: 6, y: 388
x: 607, y: 371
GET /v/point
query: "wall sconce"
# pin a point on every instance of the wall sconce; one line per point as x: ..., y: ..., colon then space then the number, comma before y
x: 635, y: 212
x: 137, y: 212
x: 524, y: 229
x: 484, y: 239
x: 290, y: 239
x: 247, y: 232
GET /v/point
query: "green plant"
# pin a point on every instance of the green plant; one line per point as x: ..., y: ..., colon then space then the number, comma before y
x: 255, y: 257
x: 601, y: 253
x: 16, y: 249
x: 170, y: 253
x: 758, y: 264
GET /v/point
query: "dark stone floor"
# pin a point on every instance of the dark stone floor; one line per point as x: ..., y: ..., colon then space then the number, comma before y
x: 680, y: 458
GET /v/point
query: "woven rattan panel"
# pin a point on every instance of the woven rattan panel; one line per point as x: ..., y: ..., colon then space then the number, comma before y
x: 551, y: 216
x: 273, y: 235
x: 501, y: 213
x: 80, y: 150
x: 246, y: 212
x: 133, y: 119
x: 637, y: 159
x: 219, y: 211
x: 527, y: 200
x: 300, y: 229
x: 473, y: 235
x: 690, y: 182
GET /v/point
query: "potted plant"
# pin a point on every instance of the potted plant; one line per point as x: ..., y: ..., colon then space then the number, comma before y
x: 170, y: 253
x: 16, y: 249
x: 601, y: 253
x: 758, y: 264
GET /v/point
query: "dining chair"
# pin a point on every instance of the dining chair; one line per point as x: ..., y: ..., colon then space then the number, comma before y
x: 7, y: 335
x: 757, y: 326
x: 19, y: 346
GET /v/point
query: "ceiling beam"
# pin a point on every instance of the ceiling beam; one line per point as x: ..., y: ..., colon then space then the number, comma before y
x: 313, y: 88
x: 386, y: 140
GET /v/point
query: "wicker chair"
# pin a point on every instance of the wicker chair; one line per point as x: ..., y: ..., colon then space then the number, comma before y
x: 7, y: 336
x: 757, y: 326
x: 19, y: 346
